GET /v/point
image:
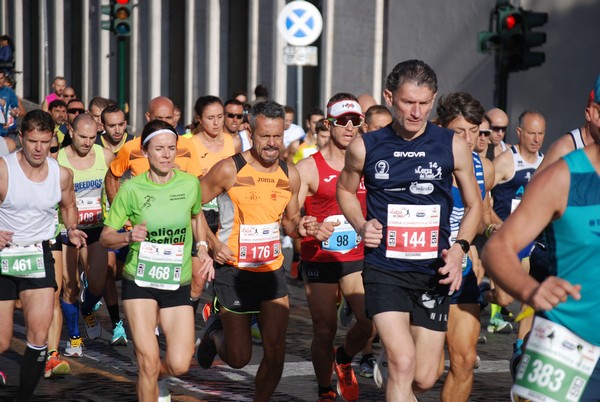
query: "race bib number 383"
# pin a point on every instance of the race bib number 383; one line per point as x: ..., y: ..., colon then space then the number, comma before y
x: 413, y: 231
x: 556, y: 364
x: 23, y: 261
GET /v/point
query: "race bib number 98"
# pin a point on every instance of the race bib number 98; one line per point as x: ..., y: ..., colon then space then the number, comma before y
x: 343, y: 239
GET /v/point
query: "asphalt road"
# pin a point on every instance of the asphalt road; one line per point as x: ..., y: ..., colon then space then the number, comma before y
x: 108, y: 373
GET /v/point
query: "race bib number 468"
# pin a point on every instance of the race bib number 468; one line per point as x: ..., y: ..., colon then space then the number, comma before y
x: 413, y: 231
x: 159, y: 265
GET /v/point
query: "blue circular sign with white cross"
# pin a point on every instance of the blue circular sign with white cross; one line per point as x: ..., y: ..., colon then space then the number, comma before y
x: 300, y: 23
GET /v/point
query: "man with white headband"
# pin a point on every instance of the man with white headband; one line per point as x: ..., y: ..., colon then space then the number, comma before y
x: 338, y: 260
x: 410, y: 268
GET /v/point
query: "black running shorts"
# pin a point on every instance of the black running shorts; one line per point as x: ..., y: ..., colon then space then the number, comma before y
x: 10, y: 286
x: 413, y: 292
x: 329, y: 272
x: 164, y: 298
x: 243, y: 291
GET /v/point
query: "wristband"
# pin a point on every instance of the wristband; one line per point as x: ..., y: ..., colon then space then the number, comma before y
x: 488, y: 231
x: 201, y: 243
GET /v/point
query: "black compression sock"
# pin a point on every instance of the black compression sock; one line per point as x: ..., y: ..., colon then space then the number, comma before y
x: 341, y: 357
x: 113, y: 312
x: 32, y: 367
x: 324, y: 390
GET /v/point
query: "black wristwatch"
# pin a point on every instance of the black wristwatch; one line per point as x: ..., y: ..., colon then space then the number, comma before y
x: 463, y: 244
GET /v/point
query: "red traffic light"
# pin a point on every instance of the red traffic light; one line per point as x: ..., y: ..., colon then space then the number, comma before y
x: 510, y: 22
x: 122, y: 1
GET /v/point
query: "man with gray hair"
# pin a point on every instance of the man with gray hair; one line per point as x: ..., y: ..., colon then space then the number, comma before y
x: 263, y: 189
x: 410, y: 267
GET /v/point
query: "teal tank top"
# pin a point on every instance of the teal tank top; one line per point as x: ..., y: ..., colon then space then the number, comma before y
x: 576, y: 236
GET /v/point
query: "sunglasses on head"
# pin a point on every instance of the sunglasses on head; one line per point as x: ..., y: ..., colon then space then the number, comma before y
x: 498, y: 128
x: 342, y: 121
x: 75, y: 110
x: 234, y: 115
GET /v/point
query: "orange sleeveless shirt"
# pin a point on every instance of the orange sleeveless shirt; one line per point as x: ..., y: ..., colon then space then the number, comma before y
x: 251, y: 217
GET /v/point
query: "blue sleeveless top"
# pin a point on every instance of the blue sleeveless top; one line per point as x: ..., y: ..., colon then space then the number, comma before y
x: 458, y: 211
x: 575, y: 241
x: 417, y: 172
x: 504, y: 193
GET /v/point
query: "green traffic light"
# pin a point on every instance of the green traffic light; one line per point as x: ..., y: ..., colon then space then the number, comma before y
x: 122, y: 29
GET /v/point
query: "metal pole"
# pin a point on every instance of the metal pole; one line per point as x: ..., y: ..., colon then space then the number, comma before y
x: 121, y: 72
x: 501, y: 88
x: 299, y: 95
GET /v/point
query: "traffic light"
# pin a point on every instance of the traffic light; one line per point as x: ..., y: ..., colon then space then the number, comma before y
x: 532, y: 39
x: 488, y: 42
x: 108, y: 10
x: 511, y: 37
x: 122, y: 18
x: 511, y: 30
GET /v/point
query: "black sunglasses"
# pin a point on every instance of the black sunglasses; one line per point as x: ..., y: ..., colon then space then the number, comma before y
x: 498, y: 128
x: 76, y: 110
x: 235, y: 115
x: 54, y: 150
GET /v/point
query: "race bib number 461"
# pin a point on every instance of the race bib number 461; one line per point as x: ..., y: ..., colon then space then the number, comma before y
x: 556, y: 364
x: 413, y: 231
x: 24, y: 262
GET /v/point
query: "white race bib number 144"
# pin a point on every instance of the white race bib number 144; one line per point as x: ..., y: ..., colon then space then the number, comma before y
x: 413, y: 231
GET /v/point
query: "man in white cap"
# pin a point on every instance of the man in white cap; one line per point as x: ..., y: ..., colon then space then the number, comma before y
x: 337, y: 262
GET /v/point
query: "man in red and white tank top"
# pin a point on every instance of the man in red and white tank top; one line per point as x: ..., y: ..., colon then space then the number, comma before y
x: 337, y: 262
